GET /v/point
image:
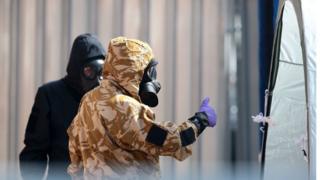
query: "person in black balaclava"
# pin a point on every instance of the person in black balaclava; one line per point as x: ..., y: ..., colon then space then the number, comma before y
x: 56, y: 104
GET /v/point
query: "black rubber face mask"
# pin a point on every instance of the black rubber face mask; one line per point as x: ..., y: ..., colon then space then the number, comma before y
x: 91, y: 74
x: 149, y: 86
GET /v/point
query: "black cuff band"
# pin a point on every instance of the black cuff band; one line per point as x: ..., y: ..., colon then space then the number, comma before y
x: 187, y: 137
x: 200, y: 119
x: 157, y: 135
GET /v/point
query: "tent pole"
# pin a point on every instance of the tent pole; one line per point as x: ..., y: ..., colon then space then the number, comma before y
x: 265, y: 127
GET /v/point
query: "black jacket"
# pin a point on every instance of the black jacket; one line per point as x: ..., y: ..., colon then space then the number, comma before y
x: 56, y: 104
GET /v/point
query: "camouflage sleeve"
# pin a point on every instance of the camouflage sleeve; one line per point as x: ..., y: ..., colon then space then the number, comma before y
x: 75, y: 168
x: 133, y: 128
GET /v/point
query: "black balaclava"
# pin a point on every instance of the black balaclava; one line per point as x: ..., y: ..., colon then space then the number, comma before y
x: 86, y: 52
x: 149, y: 86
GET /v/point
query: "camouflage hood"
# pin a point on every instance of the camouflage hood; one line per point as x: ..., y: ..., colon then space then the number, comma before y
x: 126, y: 61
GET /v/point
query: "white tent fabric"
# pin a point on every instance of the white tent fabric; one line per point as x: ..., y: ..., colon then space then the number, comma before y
x: 311, y: 27
x: 293, y: 103
x: 288, y: 108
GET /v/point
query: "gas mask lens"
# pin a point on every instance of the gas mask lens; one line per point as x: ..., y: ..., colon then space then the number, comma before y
x: 93, y: 70
x: 152, y: 73
x: 149, y: 87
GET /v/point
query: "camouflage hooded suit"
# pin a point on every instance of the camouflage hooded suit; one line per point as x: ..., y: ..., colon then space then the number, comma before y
x: 114, y: 135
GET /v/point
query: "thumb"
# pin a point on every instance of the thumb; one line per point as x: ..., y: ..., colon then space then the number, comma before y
x: 205, y: 101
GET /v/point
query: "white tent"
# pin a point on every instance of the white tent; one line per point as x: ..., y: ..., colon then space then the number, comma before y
x: 290, y: 141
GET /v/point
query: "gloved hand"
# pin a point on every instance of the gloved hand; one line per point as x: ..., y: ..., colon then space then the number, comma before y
x: 206, y: 108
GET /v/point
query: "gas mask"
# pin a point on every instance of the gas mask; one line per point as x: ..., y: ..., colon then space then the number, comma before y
x: 91, y: 74
x: 149, y: 86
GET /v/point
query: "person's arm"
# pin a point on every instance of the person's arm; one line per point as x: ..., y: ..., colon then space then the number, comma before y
x: 135, y: 129
x: 33, y: 158
x: 75, y: 169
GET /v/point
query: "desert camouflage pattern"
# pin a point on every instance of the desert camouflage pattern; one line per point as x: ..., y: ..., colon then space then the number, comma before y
x: 107, y: 138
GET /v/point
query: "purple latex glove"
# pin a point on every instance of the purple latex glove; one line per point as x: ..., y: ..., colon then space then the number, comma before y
x: 205, y: 107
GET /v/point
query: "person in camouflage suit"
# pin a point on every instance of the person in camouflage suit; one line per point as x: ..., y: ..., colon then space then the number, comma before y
x: 115, y: 135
